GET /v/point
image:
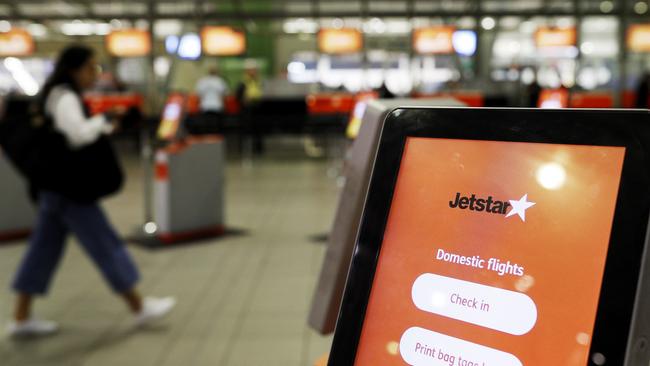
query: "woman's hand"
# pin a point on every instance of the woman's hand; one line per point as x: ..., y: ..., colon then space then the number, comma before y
x: 114, y: 117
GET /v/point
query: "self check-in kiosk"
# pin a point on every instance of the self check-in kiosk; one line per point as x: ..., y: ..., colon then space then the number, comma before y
x: 171, y: 122
x: 189, y: 189
x: 187, y: 198
x: 502, y: 237
x: 17, y: 214
x: 365, y: 126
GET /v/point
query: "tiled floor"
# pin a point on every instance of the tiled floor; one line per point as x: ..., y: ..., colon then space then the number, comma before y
x: 243, y: 300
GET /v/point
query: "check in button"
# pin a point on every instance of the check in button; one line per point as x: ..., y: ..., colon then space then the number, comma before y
x: 490, y: 307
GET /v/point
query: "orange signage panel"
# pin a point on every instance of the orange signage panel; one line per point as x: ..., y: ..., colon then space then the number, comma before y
x: 433, y: 40
x: 458, y: 286
x: 223, y: 41
x: 340, y: 41
x: 16, y: 42
x: 638, y: 38
x: 555, y: 37
x: 128, y: 43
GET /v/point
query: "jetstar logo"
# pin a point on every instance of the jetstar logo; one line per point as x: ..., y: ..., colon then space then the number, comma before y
x: 493, y: 206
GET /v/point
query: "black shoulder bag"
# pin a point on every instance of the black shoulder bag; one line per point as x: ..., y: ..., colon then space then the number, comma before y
x: 43, y: 156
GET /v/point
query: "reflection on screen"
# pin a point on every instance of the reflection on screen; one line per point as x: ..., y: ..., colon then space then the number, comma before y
x: 493, y: 254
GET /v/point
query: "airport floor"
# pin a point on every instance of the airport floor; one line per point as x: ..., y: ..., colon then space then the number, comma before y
x: 242, y: 299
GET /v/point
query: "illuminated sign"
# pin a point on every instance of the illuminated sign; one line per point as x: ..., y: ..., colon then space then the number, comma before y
x: 464, y: 42
x: 433, y: 40
x: 458, y: 286
x: 339, y: 41
x: 555, y: 37
x: 16, y: 42
x: 223, y: 41
x: 189, y: 47
x: 638, y: 38
x: 128, y: 43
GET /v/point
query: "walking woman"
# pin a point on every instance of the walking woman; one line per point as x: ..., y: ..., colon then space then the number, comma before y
x: 62, y: 212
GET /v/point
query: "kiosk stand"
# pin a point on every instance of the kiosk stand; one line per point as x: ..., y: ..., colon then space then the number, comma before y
x: 188, y: 189
x: 184, y: 190
x: 357, y: 169
x: 16, y: 211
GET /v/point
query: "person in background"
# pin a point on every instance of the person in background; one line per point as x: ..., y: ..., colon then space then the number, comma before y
x: 643, y: 92
x: 533, y: 91
x: 384, y: 93
x: 211, y: 90
x: 249, y: 94
x: 249, y: 91
x: 75, y: 71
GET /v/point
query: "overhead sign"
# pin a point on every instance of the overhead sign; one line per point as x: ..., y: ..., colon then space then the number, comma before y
x: 340, y: 41
x: 128, y: 43
x: 16, y: 42
x: 434, y: 40
x: 638, y: 38
x: 189, y: 47
x: 223, y: 41
x: 547, y: 37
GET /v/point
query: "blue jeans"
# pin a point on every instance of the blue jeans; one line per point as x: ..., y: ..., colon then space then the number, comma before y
x: 56, y: 218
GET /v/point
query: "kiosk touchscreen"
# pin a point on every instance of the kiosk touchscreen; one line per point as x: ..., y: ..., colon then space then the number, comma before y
x: 502, y: 238
x: 172, y: 117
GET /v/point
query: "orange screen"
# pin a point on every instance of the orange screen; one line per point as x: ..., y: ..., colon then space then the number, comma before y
x: 128, y: 43
x: 171, y: 117
x: 433, y: 40
x: 16, y: 42
x: 340, y: 41
x: 555, y: 37
x: 638, y: 38
x: 493, y: 255
x: 223, y: 41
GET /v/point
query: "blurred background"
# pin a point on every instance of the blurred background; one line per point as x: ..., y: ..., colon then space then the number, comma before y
x: 233, y: 215
x: 487, y: 50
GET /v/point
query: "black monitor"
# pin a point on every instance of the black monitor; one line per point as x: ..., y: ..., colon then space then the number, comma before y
x: 502, y: 237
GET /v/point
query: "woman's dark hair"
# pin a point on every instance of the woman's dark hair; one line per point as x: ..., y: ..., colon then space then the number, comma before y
x: 71, y: 59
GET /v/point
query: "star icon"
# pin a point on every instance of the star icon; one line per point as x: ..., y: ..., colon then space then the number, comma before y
x: 519, y: 207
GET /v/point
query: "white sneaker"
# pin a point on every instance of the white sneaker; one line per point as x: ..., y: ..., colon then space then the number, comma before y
x: 153, y: 309
x: 31, y: 328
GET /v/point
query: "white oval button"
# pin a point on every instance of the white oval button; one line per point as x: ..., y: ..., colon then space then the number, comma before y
x: 421, y: 347
x: 491, y: 307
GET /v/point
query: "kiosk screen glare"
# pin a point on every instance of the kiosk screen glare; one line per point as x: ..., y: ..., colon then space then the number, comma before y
x: 493, y: 254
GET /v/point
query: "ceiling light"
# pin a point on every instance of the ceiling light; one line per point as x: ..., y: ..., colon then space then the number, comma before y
x: 641, y: 7
x: 5, y: 26
x: 488, y: 23
x: 606, y: 6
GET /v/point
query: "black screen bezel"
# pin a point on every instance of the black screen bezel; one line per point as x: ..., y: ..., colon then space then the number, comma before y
x: 629, y: 129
